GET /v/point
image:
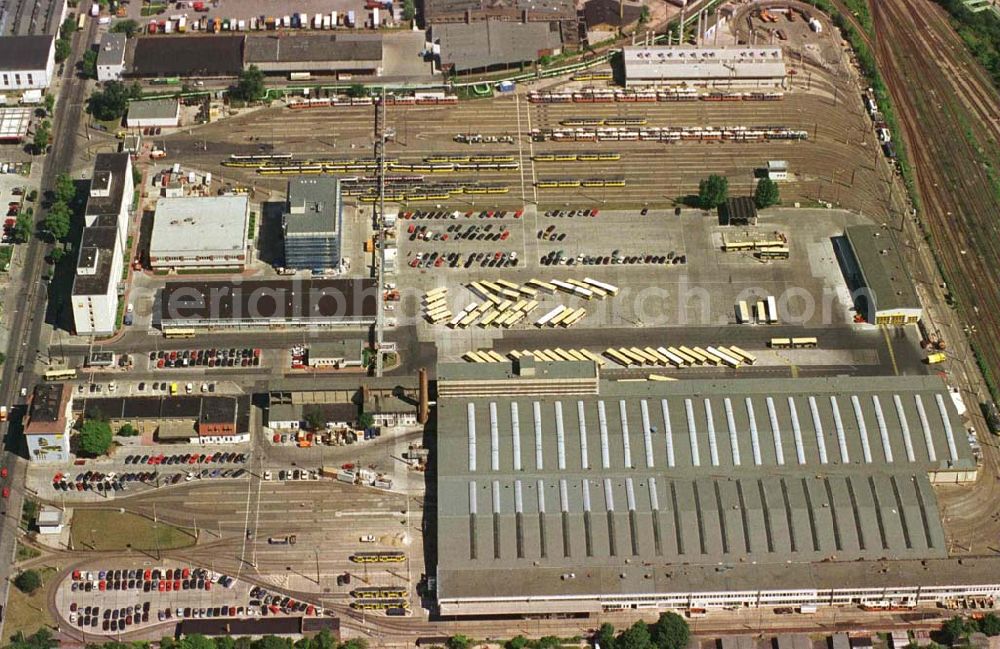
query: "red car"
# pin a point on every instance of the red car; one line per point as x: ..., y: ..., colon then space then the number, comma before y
x: 6, y: 492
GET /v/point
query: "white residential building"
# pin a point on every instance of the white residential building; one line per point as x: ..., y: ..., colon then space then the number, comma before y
x: 102, y: 246
x: 26, y: 62
x: 111, y: 57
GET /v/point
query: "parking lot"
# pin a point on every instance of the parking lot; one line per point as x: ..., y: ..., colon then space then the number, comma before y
x: 124, y: 597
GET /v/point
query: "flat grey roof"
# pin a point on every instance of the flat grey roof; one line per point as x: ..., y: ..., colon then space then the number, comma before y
x: 273, y: 48
x: 882, y: 267
x: 212, y: 55
x: 699, y: 472
x: 483, y: 44
x: 184, y: 226
x: 22, y: 53
x: 97, y: 246
x: 349, y: 348
x: 108, y: 168
x: 112, y: 51
x: 153, y: 109
x: 509, y: 370
x: 317, y: 202
x: 684, y: 62
x: 456, y: 10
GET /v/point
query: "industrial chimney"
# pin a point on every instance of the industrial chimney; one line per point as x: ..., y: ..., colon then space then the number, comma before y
x: 422, y: 407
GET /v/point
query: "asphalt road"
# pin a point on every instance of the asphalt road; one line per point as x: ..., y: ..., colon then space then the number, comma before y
x: 32, y: 297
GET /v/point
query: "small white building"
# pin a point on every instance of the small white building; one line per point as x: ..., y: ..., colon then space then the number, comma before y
x: 111, y: 57
x: 154, y: 112
x: 26, y: 62
x: 336, y: 354
x: 777, y: 170
x: 50, y: 520
x: 200, y: 232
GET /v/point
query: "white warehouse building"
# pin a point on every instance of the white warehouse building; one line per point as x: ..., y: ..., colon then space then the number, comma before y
x: 26, y: 62
x: 200, y: 232
x: 102, y: 246
x: 715, y: 67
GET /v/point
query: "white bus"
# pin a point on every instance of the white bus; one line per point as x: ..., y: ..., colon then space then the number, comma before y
x: 655, y: 353
x: 545, y: 319
x: 772, y: 310
x: 726, y: 359
x: 711, y: 359
x: 566, y: 287
x: 610, y: 289
x: 592, y: 290
x: 671, y: 357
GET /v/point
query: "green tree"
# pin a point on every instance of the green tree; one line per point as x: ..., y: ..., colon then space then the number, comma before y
x: 57, y: 221
x: 459, y: 642
x: 135, y: 91
x: 409, y: 10
x: 324, y: 640
x: 517, y: 642
x: 65, y: 189
x: 366, y: 420
x: 225, y: 642
x: 33, y: 195
x: 41, y: 639
x: 28, y: 581
x: 127, y: 27
x: 670, y: 631
x: 128, y: 431
x: 635, y: 637
x: 111, y: 103
x: 314, y: 419
x: 3, y: 358
x: 605, y: 636
x: 354, y: 643
x: 954, y: 630
x: 50, y: 103
x: 24, y: 226
x: 356, y: 90
x: 89, y: 64
x: 95, y: 439
x: 63, y: 50
x: 766, y: 193
x: 713, y: 191
x: 167, y: 642
x: 303, y: 643
x: 42, y: 137
x: 272, y: 642
x: 57, y: 254
x: 250, y: 87
x: 644, y: 15
x: 196, y: 641
x: 989, y: 624
x: 67, y: 28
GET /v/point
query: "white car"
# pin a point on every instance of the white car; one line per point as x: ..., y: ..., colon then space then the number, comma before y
x: 367, y: 538
x: 267, y: 475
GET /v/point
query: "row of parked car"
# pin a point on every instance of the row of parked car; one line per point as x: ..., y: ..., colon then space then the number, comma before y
x: 457, y: 232
x: 233, y: 357
x: 572, y: 213
x: 494, y: 259
x: 115, y: 619
x: 482, y: 214
x: 559, y: 258
x: 188, y: 458
x: 99, y: 481
x: 270, y: 603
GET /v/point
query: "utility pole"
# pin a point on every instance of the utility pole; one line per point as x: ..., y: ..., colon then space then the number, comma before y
x: 379, y: 223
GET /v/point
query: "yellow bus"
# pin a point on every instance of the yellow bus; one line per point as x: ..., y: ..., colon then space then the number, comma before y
x: 60, y: 375
x: 577, y: 356
x: 468, y: 319
x: 178, y: 333
x: 744, y: 356
x: 559, y: 317
x: 545, y: 287
x: 686, y: 359
x: 440, y: 291
x: 712, y: 359
x: 648, y: 359
x: 780, y: 343
x: 527, y: 292
x: 530, y: 306
x: 617, y: 357
x: 506, y: 284
x: 563, y: 354
x: 697, y: 358
x: 594, y: 290
x: 489, y: 318
x: 493, y: 356
x: 637, y: 359
x: 473, y: 357
x: 799, y: 343
x: 574, y: 317
x: 594, y: 357
x: 742, y: 312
